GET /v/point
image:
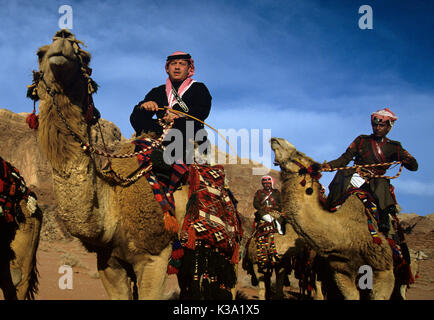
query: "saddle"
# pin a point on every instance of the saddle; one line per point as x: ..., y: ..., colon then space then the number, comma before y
x: 211, y: 234
x: 13, y: 189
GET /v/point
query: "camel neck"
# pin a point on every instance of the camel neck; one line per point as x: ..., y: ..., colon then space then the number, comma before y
x: 306, y: 214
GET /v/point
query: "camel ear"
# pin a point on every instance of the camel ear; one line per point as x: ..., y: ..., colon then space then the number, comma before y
x: 42, y: 51
x: 85, y: 56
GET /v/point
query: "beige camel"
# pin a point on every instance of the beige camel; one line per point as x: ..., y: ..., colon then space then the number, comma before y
x: 342, y: 238
x: 288, y: 246
x: 23, y: 267
x: 123, y: 224
x: 19, y: 238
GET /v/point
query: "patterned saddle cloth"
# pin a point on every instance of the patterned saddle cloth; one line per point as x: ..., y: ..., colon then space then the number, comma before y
x: 12, y: 190
x: 212, y: 216
x: 163, y: 192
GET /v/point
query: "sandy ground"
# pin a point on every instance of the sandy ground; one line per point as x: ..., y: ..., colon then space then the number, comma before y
x: 87, y: 285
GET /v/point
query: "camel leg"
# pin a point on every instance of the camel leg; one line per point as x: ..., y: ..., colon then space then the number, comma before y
x: 280, y: 277
x: 261, y: 283
x: 318, y: 291
x: 114, y: 277
x: 383, y: 285
x: 234, y: 289
x: 347, y: 286
x: 403, y: 291
x: 6, y: 283
x: 151, y: 275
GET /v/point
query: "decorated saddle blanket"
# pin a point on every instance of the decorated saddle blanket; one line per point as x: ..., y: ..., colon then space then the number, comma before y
x: 211, y: 217
x: 163, y: 192
x: 266, y: 251
x: 12, y: 190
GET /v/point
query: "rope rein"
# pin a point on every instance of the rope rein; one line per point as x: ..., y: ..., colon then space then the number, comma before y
x: 358, y: 168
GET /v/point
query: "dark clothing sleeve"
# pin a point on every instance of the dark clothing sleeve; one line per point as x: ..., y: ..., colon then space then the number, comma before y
x: 142, y: 120
x: 409, y: 162
x: 200, y: 104
x: 347, y: 156
x: 256, y: 200
x: 197, y: 98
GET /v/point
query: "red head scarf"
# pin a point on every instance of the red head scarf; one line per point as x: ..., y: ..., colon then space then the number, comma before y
x: 384, y: 115
x: 268, y: 179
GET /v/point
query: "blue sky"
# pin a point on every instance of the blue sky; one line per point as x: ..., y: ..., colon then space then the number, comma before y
x: 303, y: 69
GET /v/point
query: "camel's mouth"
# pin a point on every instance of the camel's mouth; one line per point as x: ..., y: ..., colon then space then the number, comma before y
x: 59, y: 59
x: 275, y: 146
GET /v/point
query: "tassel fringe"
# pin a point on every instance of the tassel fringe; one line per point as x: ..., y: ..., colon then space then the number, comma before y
x: 170, y: 222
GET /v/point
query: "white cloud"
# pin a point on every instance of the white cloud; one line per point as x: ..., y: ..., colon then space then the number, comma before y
x: 415, y: 187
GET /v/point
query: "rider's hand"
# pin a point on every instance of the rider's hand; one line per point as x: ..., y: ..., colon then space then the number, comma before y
x: 150, y: 106
x: 326, y: 166
x: 170, y: 116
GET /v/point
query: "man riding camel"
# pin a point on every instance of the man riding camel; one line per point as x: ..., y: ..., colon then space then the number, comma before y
x: 267, y: 202
x: 180, y: 93
x: 371, y: 149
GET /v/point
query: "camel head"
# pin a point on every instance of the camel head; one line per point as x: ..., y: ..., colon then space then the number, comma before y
x: 284, y: 152
x: 63, y: 64
x: 288, y: 157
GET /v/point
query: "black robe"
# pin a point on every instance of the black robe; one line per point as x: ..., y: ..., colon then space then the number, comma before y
x: 198, y: 100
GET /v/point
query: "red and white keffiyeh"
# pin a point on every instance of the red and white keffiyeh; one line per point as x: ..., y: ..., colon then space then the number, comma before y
x: 384, y: 115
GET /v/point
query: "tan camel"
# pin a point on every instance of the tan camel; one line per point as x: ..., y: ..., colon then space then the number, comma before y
x: 19, y: 236
x: 123, y: 224
x: 288, y: 247
x: 342, y: 238
x: 23, y: 268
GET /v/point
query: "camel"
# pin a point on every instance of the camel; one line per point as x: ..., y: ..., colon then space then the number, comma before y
x: 122, y: 223
x: 19, y: 236
x: 307, y: 268
x: 288, y: 246
x: 285, y: 247
x: 341, y: 238
x: 20, y: 277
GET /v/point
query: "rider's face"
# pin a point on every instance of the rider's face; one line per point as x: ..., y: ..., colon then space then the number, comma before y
x: 267, y: 185
x: 178, y: 70
x: 381, y: 129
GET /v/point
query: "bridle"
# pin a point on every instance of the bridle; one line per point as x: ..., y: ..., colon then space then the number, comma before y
x: 313, y: 171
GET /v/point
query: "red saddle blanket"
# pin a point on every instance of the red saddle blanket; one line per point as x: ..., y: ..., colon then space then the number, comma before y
x: 211, y: 217
x: 12, y: 190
